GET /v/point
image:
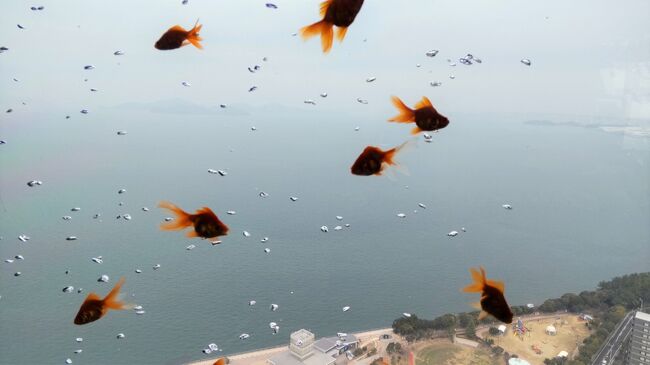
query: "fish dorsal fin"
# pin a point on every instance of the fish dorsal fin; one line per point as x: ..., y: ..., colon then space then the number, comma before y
x: 221, y: 361
x: 424, y: 103
x: 204, y: 210
x: 324, y: 6
x: 497, y: 284
x: 178, y: 28
x: 92, y: 296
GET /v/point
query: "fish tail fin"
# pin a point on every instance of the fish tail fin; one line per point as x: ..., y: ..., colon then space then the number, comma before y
x: 340, y: 33
x: 193, y: 35
x: 326, y: 31
x: 406, y: 114
x: 479, y: 281
x: 389, y: 156
x: 182, y: 217
x: 111, y: 301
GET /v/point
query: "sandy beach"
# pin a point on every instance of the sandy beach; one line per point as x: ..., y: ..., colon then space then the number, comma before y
x: 259, y: 357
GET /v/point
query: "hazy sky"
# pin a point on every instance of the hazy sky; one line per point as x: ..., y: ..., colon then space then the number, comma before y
x: 588, y: 57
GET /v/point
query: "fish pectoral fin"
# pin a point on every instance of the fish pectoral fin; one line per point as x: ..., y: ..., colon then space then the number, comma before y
x: 191, y: 234
x: 477, y: 305
x: 482, y: 315
x: 416, y: 130
x: 340, y: 33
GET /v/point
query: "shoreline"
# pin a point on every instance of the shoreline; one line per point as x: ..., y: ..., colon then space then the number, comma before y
x: 253, y: 355
x: 260, y: 355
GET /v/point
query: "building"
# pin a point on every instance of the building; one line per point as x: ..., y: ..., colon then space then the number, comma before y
x: 639, y: 342
x: 305, y: 350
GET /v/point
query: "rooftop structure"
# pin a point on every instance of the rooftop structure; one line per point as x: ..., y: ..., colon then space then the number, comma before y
x: 305, y: 350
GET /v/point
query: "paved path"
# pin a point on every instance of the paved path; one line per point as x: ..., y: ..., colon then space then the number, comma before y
x: 614, y: 341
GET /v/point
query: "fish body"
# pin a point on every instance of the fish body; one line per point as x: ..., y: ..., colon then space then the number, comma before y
x: 94, y: 308
x: 339, y: 13
x: 493, y: 301
x: 373, y: 160
x: 177, y: 37
x: 424, y: 115
x: 206, y: 224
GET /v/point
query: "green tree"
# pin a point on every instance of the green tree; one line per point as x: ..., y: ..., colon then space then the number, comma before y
x: 470, y: 330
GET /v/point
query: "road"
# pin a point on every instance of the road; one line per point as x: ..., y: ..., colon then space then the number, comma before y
x: 614, y: 341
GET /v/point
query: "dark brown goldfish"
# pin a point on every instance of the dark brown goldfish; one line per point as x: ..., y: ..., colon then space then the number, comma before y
x: 205, y: 222
x: 492, y: 301
x: 373, y: 161
x: 425, y: 116
x: 339, y: 13
x: 177, y: 37
x: 94, y: 308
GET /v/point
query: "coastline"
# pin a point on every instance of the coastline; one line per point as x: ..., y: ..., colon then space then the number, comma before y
x: 260, y: 356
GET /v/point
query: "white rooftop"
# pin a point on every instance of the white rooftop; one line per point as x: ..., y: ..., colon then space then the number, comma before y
x: 642, y: 316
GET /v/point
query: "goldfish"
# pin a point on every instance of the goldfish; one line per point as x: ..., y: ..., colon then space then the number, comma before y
x: 206, y: 223
x: 220, y: 361
x: 94, y: 308
x: 373, y: 160
x: 425, y: 116
x: 492, y: 301
x: 177, y: 37
x: 339, y: 13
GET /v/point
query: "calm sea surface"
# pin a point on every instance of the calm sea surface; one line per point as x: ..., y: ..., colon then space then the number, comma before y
x: 580, y: 215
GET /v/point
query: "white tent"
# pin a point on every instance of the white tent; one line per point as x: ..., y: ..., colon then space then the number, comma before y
x: 563, y: 354
x: 550, y: 330
x: 517, y: 361
x: 502, y: 329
